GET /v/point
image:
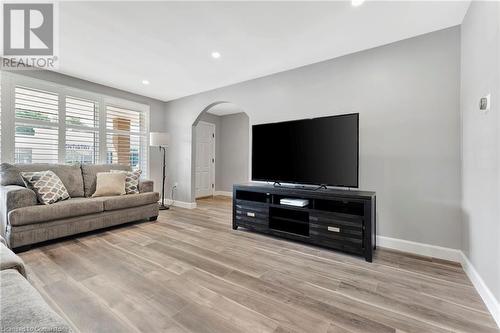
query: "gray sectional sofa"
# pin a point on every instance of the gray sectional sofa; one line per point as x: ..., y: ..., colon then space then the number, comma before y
x: 24, y: 222
x: 22, y: 308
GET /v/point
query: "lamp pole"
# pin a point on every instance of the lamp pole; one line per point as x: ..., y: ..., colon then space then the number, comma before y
x: 162, y: 206
x: 161, y: 140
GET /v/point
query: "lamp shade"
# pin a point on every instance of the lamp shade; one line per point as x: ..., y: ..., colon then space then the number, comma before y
x: 159, y: 139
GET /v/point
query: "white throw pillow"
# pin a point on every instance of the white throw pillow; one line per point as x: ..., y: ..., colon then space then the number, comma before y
x: 131, y: 181
x: 109, y: 183
x: 47, y: 185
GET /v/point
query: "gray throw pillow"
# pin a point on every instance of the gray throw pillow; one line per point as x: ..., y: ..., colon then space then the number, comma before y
x: 10, y: 175
x: 47, y: 185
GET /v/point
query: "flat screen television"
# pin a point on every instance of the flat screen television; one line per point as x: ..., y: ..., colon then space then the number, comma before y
x: 321, y: 151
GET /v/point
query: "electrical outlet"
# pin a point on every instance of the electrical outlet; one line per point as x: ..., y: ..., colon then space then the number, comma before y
x: 176, y: 184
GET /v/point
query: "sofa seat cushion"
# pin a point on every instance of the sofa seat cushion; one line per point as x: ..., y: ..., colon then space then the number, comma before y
x: 23, y: 308
x: 60, y: 210
x: 130, y: 200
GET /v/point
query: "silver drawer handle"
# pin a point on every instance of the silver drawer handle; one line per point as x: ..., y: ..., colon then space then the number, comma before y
x: 334, y: 229
x: 251, y: 214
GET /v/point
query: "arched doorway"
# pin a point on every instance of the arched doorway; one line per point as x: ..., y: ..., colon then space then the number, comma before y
x: 220, y: 150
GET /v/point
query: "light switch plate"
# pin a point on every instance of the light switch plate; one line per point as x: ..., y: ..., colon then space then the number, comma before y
x: 485, y: 103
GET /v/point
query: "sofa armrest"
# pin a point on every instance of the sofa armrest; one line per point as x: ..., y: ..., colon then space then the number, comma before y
x: 12, y: 197
x: 9, y: 260
x: 145, y: 186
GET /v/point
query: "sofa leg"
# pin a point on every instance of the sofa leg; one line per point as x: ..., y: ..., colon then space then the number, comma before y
x: 153, y: 218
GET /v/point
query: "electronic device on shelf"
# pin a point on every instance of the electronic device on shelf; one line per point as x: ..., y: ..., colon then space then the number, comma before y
x: 294, y: 202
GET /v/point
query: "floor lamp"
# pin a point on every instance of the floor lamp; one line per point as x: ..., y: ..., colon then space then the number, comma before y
x: 161, y: 140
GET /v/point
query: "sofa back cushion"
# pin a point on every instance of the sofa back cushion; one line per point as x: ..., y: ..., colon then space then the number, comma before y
x: 70, y: 175
x: 89, y: 173
x: 9, y: 175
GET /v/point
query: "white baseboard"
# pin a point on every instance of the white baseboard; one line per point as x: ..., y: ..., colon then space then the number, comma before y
x: 446, y: 253
x: 422, y: 249
x: 224, y: 193
x: 489, y: 299
x: 182, y: 204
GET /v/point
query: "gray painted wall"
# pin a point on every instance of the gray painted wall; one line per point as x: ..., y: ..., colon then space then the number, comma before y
x: 231, y: 149
x: 407, y: 94
x: 233, y: 159
x: 157, y: 109
x: 480, y: 75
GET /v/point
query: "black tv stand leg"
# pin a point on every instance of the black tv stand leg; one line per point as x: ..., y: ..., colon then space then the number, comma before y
x: 235, y: 227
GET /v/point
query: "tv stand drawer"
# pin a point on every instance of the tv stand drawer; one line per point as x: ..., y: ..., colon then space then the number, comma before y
x: 325, y: 218
x: 336, y: 232
x: 252, y: 211
x: 335, y: 227
x: 250, y: 215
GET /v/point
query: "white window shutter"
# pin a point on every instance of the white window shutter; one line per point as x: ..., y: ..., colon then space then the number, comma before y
x: 82, y: 131
x: 36, y: 126
x: 126, y: 137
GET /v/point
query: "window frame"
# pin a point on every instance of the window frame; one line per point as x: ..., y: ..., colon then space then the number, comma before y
x: 120, y: 103
x: 9, y: 81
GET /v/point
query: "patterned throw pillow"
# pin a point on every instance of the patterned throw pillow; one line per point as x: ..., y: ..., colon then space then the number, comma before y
x: 131, y: 180
x: 47, y: 186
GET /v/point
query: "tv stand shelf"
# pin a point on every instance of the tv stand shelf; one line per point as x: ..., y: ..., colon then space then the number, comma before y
x: 338, y: 219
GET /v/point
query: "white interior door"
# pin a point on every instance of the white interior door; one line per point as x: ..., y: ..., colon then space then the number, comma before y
x: 205, y: 159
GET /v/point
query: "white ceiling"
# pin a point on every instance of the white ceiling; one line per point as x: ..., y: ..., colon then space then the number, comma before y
x: 119, y: 44
x: 223, y: 109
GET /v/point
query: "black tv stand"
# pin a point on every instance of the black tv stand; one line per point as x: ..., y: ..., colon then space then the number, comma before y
x: 337, y: 219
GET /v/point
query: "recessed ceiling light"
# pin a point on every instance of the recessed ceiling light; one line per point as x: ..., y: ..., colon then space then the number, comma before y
x: 357, y: 3
x: 215, y: 55
x: 146, y: 82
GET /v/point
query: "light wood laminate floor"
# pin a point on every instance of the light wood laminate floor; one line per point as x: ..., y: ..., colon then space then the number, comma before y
x: 190, y: 272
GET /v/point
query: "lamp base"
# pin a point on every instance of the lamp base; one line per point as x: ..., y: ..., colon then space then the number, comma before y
x: 163, y: 207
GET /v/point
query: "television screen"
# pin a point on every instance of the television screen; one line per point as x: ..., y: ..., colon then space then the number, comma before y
x: 321, y: 151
